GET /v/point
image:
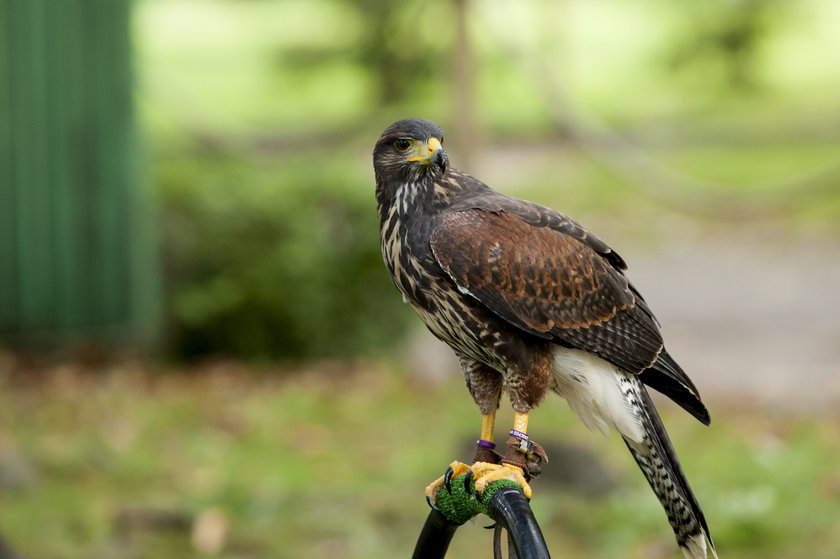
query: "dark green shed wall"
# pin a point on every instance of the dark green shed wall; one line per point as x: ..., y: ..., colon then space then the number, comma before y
x: 76, y: 235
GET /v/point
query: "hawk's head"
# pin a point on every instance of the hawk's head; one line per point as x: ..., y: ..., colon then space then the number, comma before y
x: 408, y: 151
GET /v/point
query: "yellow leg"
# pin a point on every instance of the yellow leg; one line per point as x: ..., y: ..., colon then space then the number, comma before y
x: 486, y: 473
x: 520, y: 422
x: 487, y: 426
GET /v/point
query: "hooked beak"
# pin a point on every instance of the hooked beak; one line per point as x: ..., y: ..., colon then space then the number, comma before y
x: 430, y: 153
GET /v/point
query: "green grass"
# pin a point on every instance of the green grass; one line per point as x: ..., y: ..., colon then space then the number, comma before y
x: 331, y: 462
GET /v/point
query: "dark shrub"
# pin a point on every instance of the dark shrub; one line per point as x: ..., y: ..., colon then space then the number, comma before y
x: 270, y: 259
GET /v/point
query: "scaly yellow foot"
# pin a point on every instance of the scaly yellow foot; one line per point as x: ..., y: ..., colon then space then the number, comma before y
x: 486, y: 473
x: 455, y: 469
x: 483, y: 473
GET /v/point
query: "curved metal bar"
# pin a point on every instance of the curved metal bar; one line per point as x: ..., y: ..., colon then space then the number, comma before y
x: 435, y: 536
x: 511, y: 509
x: 508, y: 507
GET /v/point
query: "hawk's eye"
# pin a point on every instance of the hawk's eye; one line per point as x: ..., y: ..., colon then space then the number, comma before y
x: 402, y: 144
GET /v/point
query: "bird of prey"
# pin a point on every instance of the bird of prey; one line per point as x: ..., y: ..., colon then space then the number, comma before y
x: 531, y: 303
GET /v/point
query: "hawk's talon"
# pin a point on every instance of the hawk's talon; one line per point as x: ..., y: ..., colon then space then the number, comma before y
x: 467, y: 480
x: 454, y: 470
x: 432, y: 504
x: 447, y: 479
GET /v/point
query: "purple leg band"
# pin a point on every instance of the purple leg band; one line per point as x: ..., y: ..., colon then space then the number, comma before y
x: 518, y: 434
x: 485, y: 444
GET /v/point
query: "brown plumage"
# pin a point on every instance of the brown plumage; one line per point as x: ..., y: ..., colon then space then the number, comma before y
x: 531, y: 302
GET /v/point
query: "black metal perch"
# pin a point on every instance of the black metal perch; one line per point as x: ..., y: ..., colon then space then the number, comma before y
x: 509, y: 508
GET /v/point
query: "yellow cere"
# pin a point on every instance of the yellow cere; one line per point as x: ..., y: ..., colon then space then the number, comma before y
x: 432, y: 146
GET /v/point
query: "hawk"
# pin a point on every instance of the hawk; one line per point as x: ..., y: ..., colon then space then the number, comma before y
x: 531, y: 303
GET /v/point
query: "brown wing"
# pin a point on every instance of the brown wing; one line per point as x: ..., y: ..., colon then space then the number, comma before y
x: 548, y: 283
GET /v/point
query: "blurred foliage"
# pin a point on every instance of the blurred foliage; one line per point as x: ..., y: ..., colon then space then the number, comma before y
x: 273, y: 260
x: 262, y: 115
x: 726, y: 38
x: 398, y: 48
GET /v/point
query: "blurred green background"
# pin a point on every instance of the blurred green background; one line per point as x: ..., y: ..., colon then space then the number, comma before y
x: 244, y: 380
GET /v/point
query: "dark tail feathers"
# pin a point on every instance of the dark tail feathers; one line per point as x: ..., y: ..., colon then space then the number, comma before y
x: 658, y: 461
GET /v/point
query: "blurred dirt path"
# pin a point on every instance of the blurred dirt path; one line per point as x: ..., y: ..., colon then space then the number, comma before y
x: 755, y: 319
